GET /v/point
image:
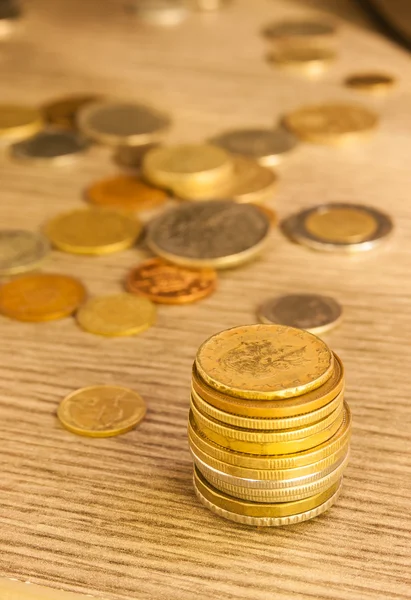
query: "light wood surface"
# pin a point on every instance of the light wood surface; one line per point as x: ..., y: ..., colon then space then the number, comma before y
x: 117, y: 518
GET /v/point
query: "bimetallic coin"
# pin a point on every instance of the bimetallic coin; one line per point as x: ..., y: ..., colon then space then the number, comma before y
x: 339, y: 227
x: 53, y: 146
x: 93, y: 231
x: 309, y: 61
x: 119, y: 315
x: 266, y: 146
x: 372, y: 83
x: 21, y: 251
x: 299, y: 32
x: 62, y: 112
x: 165, y: 283
x: 41, y: 297
x: 331, y: 124
x: 218, y: 234
x: 125, y: 192
x: 312, y: 312
x: 101, y: 411
x: 122, y: 123
x: 18, y: 122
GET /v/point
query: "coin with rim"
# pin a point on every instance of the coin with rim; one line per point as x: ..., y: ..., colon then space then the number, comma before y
x: 309, y: 61
x: 372, y: 82
x: 21, y: 251
x: 62, y: 112
x: 101, y: 411
x: 125, y: 192
x: 18, y: 122
x: 57, y: 147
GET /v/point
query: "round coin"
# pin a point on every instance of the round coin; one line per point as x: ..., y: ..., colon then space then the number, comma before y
x: 125, y: 192
x: 373, y: 83
x: 310, y: 61
x: 267, y: 146
x: 312, y: 312
x: 218, y: 234
x: 18, y: 122
x: 62, y: 112
x: 53, y: 146
x: 21, y: 251
x: 339, y: 227
x: 101, y: 411
x: 264, y: 362
x: 93, y: 231
x: 121, y: 123
x: 119, y: 315
x: 299, y: 31
x: 41, y: 297
x: 331, y: 123
x: 165, y: 283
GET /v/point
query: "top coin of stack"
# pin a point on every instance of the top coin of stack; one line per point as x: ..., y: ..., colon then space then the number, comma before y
x: 269, y: 429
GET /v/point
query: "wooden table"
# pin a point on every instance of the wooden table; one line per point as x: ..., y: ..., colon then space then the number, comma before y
x: 117, y: 518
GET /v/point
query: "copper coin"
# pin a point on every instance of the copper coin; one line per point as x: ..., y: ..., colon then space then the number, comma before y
x: 165, y: 283
x: 125, y: 192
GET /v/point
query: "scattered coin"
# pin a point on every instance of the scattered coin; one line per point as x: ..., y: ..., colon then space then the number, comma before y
x: 62, y: 112
x: 339, y: 227
x: 373, y: 83
x: 312, y: 312
x: 122, y: 123
x: 120, y: 315
x: 101, y: 411
x: 93, y: 231
x: 21, y: 251
x: 125, y: 192
x: 218, y: 233
x: 165, y: 283
x: 331, y: 123
x: 41, y: 297
x: 53, y: 146
x: 18, y: 122
x: 266, y: 146
x: 311, y: 61
x: 296, y: 32
x: 164, y: 13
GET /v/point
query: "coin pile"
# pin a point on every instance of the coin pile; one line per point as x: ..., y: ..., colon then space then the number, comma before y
x: 268, y: 428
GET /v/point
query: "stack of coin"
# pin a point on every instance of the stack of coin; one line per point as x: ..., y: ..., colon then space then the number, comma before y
x: 268, y: 429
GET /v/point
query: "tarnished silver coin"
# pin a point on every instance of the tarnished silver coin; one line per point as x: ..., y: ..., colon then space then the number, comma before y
x: 57, y: 146
x: 21, y: 251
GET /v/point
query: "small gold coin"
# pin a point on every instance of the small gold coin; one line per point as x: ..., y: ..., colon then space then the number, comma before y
x: 125, y: 192
x: 93, y: 231
x: 373, y: 83
x: 299, y: 32
x: 63, y: 111
x: 331, y: 123
x: 41, y: 297
x: 119, y: 315
x: 312, y: 312
x: 310, y: 61
x: 101, y: 411
x: 18, y: 122
x: 21, y: 251
x: 264, y: 362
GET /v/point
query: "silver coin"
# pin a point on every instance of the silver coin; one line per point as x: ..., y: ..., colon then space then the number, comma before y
x: 21, y: 251
x: 50, y: 146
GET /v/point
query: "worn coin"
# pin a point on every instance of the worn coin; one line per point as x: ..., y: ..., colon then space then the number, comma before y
x: 122, y: 123
x: 218, y: 233
x: 313, y: 312
x: 373, y: 83
x: 53, y: 146
x: 21, y: 251
x: 62, y: 112
x: 311, y: 61
x: 101, y: 411
x: 295, y: 32
x: 119, y: 315
x: 41, y: 297
x: 93, y: 231
x: 18, y: 122
x: 125, y: 192
x: 165, y: 283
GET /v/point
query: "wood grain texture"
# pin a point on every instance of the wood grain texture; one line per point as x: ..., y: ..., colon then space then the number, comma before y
x: 117, y: 518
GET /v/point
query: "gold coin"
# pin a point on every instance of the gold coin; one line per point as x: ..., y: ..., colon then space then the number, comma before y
x: 331, y: 123
x: 267, y: 521
x: 18, y: 122
x: 41, y: 297
x: 125, y: 192
x: 313, y: 312
x: 101, y: 411
x: 296, y: 32
x: 119, y: 315
x: 373, y: 83
x: 264, y: 362
x: 121, y: 123
x: 63, y: 111
x: 310, y: 61
x: 21, y: 251
x: 93, y: 231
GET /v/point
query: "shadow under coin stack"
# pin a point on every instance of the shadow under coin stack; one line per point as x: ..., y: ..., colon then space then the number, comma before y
x: 268, y: 429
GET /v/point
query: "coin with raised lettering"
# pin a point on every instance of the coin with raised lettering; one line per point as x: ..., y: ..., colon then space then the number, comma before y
x: 125, y: 192
x: 21, y: 251
x: 101, y: 411
x: 372, y: 83
x: 309, y: 61
x: 41, y: 297
x: 18, y: 122
x: 53, y: 146
x: 62, y: 112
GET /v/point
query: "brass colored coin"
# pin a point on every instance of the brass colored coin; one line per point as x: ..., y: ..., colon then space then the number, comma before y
x: 303, y: 405
x: 339, y: 227
x: 41, y: 297
x: 294, y: 32
x: 308, y: 60
x: 18, y: 122
x: 53, y: 146
x: 121, y: 123
x: 165, y: 283
x: 93, y: 231
x: 101, y: 411
x: 267, y: 521
x: 120, y: 315
x: 313, y: 312
x: 62, y: 112
x: 218, y: 234
x: 373, y: 83
x: 125, y: 192
x: 267, y: 146
x: 331, y: 123
x: 264, y: 362
x: 21, y: 251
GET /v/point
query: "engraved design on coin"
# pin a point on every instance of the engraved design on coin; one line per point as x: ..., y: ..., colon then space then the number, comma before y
x: 98, y: 413
x: 256, y: 358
